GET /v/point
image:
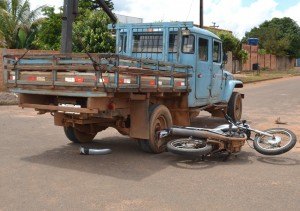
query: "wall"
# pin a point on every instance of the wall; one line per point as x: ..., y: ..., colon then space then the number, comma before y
x: 229, y: 65
x: 268, y: 61
x: 128, y: 19
x: 17, y: 52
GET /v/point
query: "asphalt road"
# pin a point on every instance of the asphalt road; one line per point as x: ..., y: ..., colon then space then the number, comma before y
x: 40, y: 170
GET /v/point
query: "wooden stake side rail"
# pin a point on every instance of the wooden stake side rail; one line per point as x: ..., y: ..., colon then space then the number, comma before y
x: 80, y: 65
x: 96, y: 57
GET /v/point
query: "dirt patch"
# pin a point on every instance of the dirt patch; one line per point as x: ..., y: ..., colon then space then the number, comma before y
x: 8, y: 98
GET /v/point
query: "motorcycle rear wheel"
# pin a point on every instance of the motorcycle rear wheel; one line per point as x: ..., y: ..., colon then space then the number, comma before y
x: 189, y: 147
x: 284, y: 141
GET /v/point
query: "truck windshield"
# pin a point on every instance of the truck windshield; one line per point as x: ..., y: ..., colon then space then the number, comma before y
x: 148, y: 43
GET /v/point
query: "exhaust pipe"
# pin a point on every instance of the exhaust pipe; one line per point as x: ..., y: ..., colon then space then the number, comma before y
x: 183, y: 132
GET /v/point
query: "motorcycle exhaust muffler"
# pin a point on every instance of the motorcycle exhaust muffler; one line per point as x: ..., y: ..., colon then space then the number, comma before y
x: 183, y: 132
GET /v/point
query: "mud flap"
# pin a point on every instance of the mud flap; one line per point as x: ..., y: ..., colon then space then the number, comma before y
x: 139, y: 119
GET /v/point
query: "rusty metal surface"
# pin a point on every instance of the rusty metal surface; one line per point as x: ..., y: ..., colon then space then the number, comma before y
x: 59, y: 108
x: 139, y: 119
x: 59, y: 92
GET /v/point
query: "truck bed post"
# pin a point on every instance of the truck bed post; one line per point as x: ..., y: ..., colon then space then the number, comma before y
x: 70, y: 12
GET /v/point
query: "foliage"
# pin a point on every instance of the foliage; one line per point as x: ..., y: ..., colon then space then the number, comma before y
x: 230, y: 42
x: 89, y: 30
x: 279, y: 36
x: 262, y: 51
x: 91, y: 33
x: 233, y: 44
x: 243, y: 55
x: 49, y: 30
x: 2, y: 40
x: 17, y: 20
x: 94, y: 5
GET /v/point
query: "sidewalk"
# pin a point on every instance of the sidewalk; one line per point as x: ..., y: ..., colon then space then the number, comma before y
x: 251, y: 77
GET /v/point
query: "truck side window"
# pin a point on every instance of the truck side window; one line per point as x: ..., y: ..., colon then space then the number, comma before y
x: 123, y: 43
x: 188, y: 44
x: 148, y: 43
x: 203, y: 49
x: 217, y: 52
x: 173, y: 42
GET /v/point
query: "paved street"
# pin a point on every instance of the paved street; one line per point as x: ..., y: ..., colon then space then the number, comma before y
x: 39, y: 169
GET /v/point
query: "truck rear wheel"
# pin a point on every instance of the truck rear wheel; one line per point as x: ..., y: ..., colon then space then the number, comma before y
x: 76, y: 136
x: 235, y: 106
x: 160, y: 118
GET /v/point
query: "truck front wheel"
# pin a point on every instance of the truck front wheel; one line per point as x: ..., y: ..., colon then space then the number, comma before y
x: 234, y: 109
x: 160, y: 118
x: 76, y: 136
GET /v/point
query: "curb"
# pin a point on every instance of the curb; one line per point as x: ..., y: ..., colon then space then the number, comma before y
x: 262, y: 80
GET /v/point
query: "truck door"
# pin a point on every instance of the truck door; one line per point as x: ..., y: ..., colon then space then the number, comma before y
x: 217, y: 72
x: 203, y: 69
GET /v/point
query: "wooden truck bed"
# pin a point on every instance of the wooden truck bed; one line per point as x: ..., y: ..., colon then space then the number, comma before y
x: 76, y: 75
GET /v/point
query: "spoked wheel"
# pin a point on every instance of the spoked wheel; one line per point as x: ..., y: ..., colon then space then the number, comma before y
x: 235, y: 106
x: 160, y: 118
x: 77, y: 136
x: 282, y: 141
x: 189, y: 147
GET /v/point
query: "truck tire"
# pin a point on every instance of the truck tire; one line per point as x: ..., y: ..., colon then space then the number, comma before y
x: 76, y: 136
x: 235, y: 106
x: 159, y: 118
x: 145, y: 146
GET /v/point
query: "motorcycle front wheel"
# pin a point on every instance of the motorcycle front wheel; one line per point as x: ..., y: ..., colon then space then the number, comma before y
x: 283, y: 141
x: 189, y: 147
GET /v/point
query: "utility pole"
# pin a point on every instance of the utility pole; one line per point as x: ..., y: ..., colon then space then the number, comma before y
x: 69, y: 15
x: 201, y: 14
x: 214, y: 25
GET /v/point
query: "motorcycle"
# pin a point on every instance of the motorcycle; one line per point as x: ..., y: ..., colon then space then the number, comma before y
x: 228, y: 138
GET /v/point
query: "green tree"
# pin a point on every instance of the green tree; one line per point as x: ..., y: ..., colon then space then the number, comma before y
x: 2, y: 40
x: 233, y: 44
x: 49, y: 30
x: 279, y: 36
x: 89, y: 30
x: 91, y: 34
x: 93, y: 4
x: 17, y: 20
x: 230, y: 42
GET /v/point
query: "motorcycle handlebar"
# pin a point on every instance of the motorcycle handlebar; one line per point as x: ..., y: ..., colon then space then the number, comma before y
x: 227, y: 117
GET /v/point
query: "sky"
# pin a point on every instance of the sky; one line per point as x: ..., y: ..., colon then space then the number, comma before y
x: 237, y: 16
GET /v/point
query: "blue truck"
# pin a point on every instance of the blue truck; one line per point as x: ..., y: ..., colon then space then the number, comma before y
x: 162, y: 74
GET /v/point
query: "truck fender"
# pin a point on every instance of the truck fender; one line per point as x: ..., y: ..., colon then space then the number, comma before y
x: 230, y: 86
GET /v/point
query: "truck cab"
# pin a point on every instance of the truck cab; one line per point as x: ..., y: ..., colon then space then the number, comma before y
x: 183, y: 43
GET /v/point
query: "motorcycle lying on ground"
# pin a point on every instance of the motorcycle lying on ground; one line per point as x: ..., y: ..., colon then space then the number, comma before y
x: 228, y: 138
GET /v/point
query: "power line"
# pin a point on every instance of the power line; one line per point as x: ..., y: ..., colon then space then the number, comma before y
x: 192, y: 2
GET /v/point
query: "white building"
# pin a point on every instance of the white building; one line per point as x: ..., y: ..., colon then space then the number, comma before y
x: 128, y: 19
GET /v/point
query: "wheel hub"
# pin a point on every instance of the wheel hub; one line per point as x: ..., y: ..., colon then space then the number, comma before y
x: 274, y: 141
